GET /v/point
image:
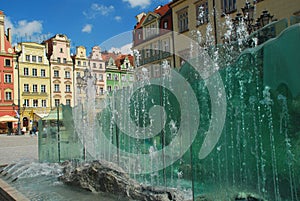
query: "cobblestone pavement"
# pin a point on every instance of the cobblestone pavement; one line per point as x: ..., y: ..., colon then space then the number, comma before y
x: 15, y: 148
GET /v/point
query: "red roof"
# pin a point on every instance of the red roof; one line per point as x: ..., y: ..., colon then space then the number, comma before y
x: 120, y: 60
x: 106, y: 56
x: 162, y: 10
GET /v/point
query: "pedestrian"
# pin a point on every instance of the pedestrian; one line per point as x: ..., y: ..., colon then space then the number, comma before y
x: 34, y: 130
x: 24, y: 130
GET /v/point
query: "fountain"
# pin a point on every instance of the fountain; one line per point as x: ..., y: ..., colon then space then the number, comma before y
x: 230, y: 132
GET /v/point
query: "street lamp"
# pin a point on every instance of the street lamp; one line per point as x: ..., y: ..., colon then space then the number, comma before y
x: 18, y: 53
x: 248, y: 12
x: 80, y: 84
x: 265, y: 18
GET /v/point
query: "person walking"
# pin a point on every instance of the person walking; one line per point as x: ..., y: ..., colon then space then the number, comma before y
x: 33, y: 131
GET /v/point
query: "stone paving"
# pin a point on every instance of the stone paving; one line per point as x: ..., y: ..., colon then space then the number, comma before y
x: 14, y: 148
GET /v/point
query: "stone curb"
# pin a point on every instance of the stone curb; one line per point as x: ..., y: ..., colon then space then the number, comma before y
x: 8, y: 193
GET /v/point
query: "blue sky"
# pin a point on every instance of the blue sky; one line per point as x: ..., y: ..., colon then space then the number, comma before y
x: 107, y: 23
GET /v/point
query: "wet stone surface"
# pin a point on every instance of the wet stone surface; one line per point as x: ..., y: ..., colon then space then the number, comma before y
x: 102, y: 176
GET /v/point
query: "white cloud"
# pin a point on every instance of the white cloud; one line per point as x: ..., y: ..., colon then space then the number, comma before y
x: 138, y: 3
x: 126, y: 49
x: 118, y: 18
x: 87, y: 28
x: 26, y: 30
x: 98, y: 9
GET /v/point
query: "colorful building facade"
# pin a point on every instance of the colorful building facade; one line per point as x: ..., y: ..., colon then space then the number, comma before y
x: 119, y: 70
x: 34, y: 83
x: 97, y: 66
x: 7, y: 78
x: 61, y: 70
x: 153, y: 39
x: 208, y: 17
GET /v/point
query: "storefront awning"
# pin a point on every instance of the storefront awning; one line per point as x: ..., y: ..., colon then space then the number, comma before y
x: 7, y: 118
x: 53, y: 116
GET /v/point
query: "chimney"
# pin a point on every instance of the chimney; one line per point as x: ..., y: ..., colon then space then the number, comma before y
x: 9, y: 35
x: 2, y: 33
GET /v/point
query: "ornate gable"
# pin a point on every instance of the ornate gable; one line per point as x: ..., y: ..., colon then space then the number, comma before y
x: 151, y: 17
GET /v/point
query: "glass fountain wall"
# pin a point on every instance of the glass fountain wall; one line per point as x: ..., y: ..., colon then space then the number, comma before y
x: 259, y: 148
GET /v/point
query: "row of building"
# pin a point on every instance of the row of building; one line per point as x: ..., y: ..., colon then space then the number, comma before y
x: 37, y: 77
x: 160, y: 34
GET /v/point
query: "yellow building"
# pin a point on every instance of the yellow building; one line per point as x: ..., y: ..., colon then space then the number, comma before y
x: 191, y: 15
x: 34, y: 85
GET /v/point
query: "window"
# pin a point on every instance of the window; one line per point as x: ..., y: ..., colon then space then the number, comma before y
x: 26, y: 103
x: 33, y: 58
x: 43, y: 88
x: 79, y: 63
x: 166, y: 45
x: 109, y: 88
x: 57, y: 102
x: 100, y: 77
x: 27, y: 57
x: 151, y: 30
x: 67, y: 74
x: 26, y: 87
x: 109, y: 76
x: 202, y: 13
x: 94, y: 65
x: 84, y: 63
x: 8, y: 95
x: 34, y: 87
x: 26, y: 71
x: 183, y: 21
x: 40, y: 59
x: 101, y: 91
x: 116, y: 77
x: 65, y: 60
x: 123, y: 78
x: 78, y: 74
x: 56, y: 73
x: 165, y: 24
x: 7, y: 62
x: 155, y: 48
x: 130, y: 78
x: 56, y: 88
x: 228, y: 6
x: 61, y: 50
x: 68, y: 102
x: 34, y: 72
x: 35, y: 103
x: 7, y: 78
x: 147, y: 53
x: 43, y: 73
x: 68, y: 88
x: 58, y: 60
x: 101, y: 66
x: 44, y: 103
